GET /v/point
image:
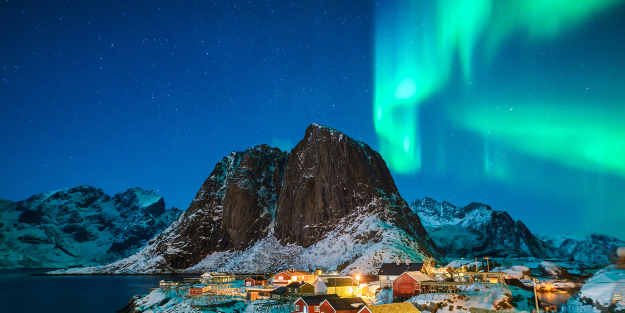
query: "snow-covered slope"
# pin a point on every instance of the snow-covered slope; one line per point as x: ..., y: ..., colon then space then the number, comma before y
x: 597, y: 294
x: 79, y: 226
x: 476, y: 230
x: 330, y: 203
x: 593, y: 250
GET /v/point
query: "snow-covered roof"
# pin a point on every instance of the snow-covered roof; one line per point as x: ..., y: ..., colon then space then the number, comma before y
x: 419, y: 276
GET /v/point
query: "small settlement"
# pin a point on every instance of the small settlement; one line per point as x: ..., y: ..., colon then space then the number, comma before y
x: 316, y: 292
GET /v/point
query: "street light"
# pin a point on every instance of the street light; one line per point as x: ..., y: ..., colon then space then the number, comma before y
x: 487, y: 265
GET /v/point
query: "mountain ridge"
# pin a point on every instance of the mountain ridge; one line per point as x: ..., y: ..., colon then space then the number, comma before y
x: 79, y: 225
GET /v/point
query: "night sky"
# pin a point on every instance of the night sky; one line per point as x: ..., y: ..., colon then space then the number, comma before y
x: 519, y: 107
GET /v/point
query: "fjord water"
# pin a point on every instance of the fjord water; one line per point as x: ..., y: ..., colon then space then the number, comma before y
x: 22, y: 292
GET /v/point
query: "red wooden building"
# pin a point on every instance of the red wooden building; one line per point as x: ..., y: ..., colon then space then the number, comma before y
x: 310, y: 304
x: 251, y: 282
x: 342, y: 305
x: 195, y: 290
x: 284, y: 278
x: 408, y: 284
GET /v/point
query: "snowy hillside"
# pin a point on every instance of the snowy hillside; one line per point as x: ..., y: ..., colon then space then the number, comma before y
x: 597, y: 294
x: 79, y: 226
x: 593, y: 250
x: 476, y: 229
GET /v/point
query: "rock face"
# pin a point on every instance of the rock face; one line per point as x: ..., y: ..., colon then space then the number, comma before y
x: 329, y: 203
x: 594, y: 250
x: 79, y: 226
x: 330, y: 176
x: 477, y: 230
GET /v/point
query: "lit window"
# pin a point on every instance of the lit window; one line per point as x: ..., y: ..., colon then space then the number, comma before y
x: 294, y: 278
x: 279, y: 277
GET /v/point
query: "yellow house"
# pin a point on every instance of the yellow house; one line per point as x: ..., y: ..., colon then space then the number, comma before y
x: 343, y: 287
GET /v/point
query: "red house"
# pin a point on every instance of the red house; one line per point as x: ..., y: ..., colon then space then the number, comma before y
x: 408, y: 284
x: 310, y: 304
x: 341, y: 305
x: 287, y: 277
x: 251, y: 282
x: 195, y: 290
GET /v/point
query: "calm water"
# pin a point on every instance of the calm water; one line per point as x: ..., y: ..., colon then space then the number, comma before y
x: 21, y: 292
x: 557, y: 298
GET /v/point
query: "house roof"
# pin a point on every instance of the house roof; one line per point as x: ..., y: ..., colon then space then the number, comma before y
x: 403, y: 307
x: 394, y: 269
x: 255, y: 278
x: 367, y: 278
x: 316, y: 300
x: 420, y: 276
x: 279, y: 290
x: 346, y: 303
x: 340, y: 282
x: 296, y: 284
x: 295, y: 273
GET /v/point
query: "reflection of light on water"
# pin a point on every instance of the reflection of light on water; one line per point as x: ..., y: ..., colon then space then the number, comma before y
x: 556, y: 298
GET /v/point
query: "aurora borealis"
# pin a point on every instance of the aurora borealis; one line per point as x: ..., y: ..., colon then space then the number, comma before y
x: 516, y: 104
x: 445, y: 46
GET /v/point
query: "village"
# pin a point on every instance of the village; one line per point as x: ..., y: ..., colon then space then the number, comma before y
x: 402, y: 286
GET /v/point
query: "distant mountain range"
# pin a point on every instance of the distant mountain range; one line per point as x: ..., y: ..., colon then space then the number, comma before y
x: 477, y: 230
x: 79, y: 226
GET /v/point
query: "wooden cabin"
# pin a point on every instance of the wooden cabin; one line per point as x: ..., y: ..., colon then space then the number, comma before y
x: 390, y: 271
x: 310, y: 304
x: 300, y: 287
x: 343, y: 287
x: 408, y: 284
x: 342, y: 305
x: 198, y: 289
x: 284, y: 278
x: 403, y: 307
x: 251, y: 282
x: 278, y: 293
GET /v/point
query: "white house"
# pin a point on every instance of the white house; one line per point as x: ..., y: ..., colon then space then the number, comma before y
x: 320, y: 287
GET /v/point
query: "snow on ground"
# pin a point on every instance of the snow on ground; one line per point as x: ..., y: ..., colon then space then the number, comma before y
x: 515, y: 271
x: 385, y: 296
x: 598, y: 292
x: 485, y: 296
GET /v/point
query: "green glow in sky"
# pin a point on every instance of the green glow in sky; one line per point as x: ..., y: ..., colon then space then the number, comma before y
x: 419, y: 45
x: 591, y: 140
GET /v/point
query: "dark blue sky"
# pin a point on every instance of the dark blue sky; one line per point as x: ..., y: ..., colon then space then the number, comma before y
x: 120, y: 94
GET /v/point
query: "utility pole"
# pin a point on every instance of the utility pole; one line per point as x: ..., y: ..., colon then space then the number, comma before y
x: 535, y: 295
x: 487, y: 264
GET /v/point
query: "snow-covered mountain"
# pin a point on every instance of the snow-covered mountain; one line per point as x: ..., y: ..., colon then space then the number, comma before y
x: 593, y: 250
x: 476, y: 230
x: 79, y: 226
x: 331, y: 203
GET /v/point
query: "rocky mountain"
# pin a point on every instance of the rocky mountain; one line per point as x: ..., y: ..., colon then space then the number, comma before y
x: 476, y: 230
x: 593, y: 250
x: 79, y: 226
x: 331, y: 203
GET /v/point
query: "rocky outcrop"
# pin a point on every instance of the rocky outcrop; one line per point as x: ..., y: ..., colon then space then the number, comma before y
x: 477, y: 230
x: 234, y: 208
x: 593, y: 250
x: 330, y: 202
x: 78, y: 226
x: 331, y: 176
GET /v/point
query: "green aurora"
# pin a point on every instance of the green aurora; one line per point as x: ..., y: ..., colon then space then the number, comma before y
x: 418, y: 47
